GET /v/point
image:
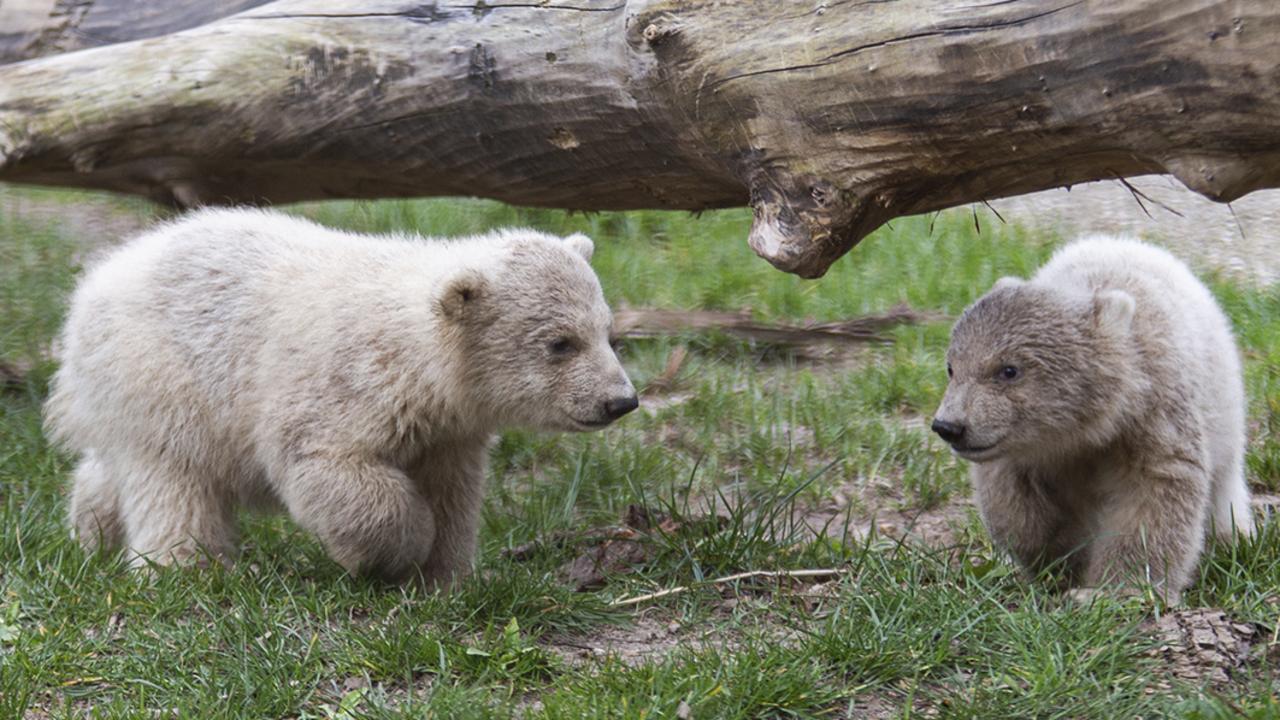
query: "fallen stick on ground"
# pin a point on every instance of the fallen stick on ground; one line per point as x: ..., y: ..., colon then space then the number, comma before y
x: 648, y: 323
x: 667, y: 379
x: 809, y: 573
x: 645, y: 323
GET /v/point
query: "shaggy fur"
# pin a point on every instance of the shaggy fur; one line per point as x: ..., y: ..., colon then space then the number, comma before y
x: 243, y: 358
x: 1120, y: 436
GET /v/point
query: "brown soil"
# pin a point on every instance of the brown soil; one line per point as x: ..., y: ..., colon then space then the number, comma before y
x: 881, y: 510
x: 650, y: 637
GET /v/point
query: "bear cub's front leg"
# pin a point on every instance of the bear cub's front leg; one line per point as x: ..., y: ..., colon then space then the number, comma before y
x: 1152, y: 529
x: 369, y: 516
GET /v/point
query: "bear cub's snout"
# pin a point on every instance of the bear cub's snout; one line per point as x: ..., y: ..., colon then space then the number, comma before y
x: 952, y: 433
x: 615, y: 408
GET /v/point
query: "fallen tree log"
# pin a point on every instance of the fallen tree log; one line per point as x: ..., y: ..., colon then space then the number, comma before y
x: 828, y: 118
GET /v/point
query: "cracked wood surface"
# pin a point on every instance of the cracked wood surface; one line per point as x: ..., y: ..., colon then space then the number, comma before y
x: 828, y: 118
x: 31, y: 28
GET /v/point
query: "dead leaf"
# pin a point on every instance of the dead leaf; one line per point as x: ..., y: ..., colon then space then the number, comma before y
x: 354, y: 682
x: 592, y: 569
x: 1204, y: 643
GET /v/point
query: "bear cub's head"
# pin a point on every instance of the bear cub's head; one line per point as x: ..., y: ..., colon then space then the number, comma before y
x: 537, y: 336
x: 1038, y: 372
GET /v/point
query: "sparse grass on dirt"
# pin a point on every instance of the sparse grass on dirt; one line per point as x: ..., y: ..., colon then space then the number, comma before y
x: 748, y: 459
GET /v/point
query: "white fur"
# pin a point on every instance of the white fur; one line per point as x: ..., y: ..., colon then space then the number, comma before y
x: 1195, y: 341
x: 245, y: 358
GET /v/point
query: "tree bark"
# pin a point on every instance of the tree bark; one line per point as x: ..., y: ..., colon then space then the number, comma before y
x: 828, y: 118
x: 32, y: 28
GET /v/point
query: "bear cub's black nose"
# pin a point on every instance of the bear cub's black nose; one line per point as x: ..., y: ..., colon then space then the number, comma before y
x: 951, y: 432
x: 617, y: 407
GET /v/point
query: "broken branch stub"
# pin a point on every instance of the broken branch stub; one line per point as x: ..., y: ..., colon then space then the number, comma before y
x: 829, y: 119
x: 802, y: 227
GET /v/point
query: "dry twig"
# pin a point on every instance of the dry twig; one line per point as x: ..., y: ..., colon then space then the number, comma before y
x: 808, y: 573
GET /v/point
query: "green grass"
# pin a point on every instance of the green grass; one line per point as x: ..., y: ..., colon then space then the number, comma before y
x: 761, y: 436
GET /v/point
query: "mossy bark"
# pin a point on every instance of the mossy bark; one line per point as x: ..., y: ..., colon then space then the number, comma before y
x: 828, y: 118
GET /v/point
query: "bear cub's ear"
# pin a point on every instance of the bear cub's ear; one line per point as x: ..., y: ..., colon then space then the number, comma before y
x: 581, y: 244
x: 1008, y: 282
x: 1113, y: 310
x: 461, y: 293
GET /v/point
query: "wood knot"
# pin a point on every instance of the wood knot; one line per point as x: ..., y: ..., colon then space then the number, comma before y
x: 801, y: 224
x: 563, y: 138
x: 824, y: 193
x: 655, y: 33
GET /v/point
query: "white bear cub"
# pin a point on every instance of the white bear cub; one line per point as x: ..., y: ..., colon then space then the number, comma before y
x: 246, y: 358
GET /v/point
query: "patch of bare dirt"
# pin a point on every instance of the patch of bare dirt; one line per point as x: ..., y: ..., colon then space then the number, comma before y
x: 872, y: 706
x: 878, y: 508
x: 648, y: 638
x: 1207, y: 646
x: 653, y: 636
x: 608, y: 551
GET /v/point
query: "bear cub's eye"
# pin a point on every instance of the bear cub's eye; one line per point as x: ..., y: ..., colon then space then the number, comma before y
x: 1009, y: 372
x: 561, y: 346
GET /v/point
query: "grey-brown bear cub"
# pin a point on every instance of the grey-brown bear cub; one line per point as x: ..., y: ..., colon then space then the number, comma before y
x: 1102, y: 406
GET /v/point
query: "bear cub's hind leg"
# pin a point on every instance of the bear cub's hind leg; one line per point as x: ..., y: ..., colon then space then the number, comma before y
x: 1232, y: 508
x: 95, y: 505
x: 172, y: 514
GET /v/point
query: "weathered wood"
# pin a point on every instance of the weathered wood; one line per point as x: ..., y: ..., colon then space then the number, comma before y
x: 32, y: 28
x: 828, y: 118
